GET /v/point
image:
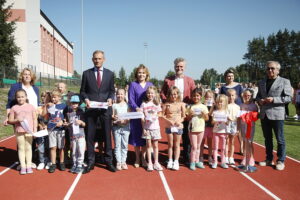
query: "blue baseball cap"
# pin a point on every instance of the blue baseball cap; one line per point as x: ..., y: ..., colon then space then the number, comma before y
x: 75, y: 99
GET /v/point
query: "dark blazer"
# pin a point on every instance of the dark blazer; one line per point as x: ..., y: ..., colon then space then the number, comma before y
x: 89, y: 89
x: 12, y: 92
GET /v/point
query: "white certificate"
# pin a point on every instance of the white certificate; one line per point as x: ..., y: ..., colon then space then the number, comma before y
x: 96, y: 104
x: 220, y: 118
x: 40, y: 133
x: 25, y: 126
x: 197, y: 111
x: 130, y: 115
x: 174, y: 129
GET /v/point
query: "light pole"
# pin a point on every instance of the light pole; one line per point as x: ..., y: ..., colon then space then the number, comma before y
x: 145, y: 53
x: 81, y: 37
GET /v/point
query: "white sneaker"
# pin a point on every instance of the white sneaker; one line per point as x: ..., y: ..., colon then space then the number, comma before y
x: 170, y: 164
x: 48, y: 165
x: 231, y: 161
x: 214, y: 165
x: 280, y: 165
x: 210, y: 161
x: 226, y: 160
x: 33, y: 165
x: 175, y: 165
x: 41, y: 166
x: 295, y: 116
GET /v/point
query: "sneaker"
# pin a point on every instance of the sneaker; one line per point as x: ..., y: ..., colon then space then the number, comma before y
x: 150, y: 167
x: 23, y: 171
x: 124, y: 166
x: 118, y: 166
x: 226, y: 160
x: 33, y: 165
x: 73, y: 169
x: 52, y: 168
x: 266, y: 163
x: 295, y: 116
x: 251, y: 161
x: 192, y: 166
x: 48, y: 165
x: 280, y: 165
x: 78, y: 170
x: 224, y: 166
x: 231, y: 161
x: 214, y: 165
x: 175, y: 165
x: 41, y: 166
x: 157, y: 167
x: 200, y: 165
x: 62, y: 167
x: 210, y: 161
x: 170, y: 164
x: 18, y: 167
x: 29, y: 170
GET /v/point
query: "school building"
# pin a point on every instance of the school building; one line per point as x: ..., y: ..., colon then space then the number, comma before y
x: 43, y: 47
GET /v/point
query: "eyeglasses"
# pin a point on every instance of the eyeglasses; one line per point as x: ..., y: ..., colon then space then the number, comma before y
x: 270, y: 68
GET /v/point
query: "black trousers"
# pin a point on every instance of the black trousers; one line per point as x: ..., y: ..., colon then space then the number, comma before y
x: 105, y: 118
x: 186, y: 142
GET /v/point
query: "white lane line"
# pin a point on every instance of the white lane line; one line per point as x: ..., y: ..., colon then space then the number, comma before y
x: 260, y: 186
x: 166, y: 186
x: 70, y: 191
x: 7, y: 138
x: 298, y: 161
x: 8, y: 168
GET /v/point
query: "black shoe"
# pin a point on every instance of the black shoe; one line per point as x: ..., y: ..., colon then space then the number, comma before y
x: 111, y: 168
x: 62, y: 167
x: 78, y: 170
x: 88, y: 169
x: 73, y: 169
x: 52, y: 168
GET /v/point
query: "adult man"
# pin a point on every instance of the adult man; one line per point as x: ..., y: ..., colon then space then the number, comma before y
x: 186, y: 85
x: 273, y: 93
x: 98, y: 85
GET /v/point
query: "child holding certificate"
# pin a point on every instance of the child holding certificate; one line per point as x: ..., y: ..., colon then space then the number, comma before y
x: 198, y: 114
x: 220, y: 115
x: 174, y: 114
x: 120, y: 130
x: 152, y: 110
x: 23, y: 117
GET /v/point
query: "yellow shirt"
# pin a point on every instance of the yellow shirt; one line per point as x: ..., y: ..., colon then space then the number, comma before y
x: 197, y: 123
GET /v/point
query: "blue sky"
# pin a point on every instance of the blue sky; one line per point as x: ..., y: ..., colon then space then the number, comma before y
x: 208, y: 33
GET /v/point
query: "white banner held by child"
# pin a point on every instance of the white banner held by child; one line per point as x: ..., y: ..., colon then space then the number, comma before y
x: 40, y: 133
x: 220, y: 118
x: 130, y: 115
x: 25, y: 126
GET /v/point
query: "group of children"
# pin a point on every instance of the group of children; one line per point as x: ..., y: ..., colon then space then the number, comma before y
x: 216, y: 120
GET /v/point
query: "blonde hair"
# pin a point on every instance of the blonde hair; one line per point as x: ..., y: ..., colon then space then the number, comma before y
x: 118, y: 90
x: 55, y: 93
x: 141, y: 66
x: 209, y: 92
x: 244, y: 92
x: 222, y: 97
x: 156, y: 97
x: 173, y: 88
x: 32, y: 75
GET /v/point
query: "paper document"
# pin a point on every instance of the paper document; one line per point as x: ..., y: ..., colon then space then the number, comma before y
x: 130, y: 115
x: 96, y: 104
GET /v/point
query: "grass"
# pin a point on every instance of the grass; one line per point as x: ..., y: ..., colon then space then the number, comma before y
x: 291, y: 128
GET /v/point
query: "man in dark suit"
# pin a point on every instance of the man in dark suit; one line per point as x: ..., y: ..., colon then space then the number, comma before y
x: 98, y: 85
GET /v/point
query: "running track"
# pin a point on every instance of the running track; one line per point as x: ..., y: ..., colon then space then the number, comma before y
x: 266, y: 183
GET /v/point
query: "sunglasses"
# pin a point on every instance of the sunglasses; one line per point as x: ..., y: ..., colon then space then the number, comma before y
x: 270, y: 68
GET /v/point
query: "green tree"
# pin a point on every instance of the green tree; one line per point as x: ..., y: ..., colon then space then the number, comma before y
x: 8, y: 48
x: 122, y: 77
x: 209, y: 76
x: 132, y: 76
x: 170, y: 73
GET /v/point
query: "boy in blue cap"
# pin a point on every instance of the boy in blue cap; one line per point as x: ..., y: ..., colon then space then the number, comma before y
x: 75, y: 123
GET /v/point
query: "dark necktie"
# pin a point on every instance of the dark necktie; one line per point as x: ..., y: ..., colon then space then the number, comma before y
x: 98, y: 78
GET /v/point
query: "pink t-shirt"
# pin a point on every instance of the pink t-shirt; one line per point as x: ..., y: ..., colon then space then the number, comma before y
x: 151, y: 115
x: 25, y: 111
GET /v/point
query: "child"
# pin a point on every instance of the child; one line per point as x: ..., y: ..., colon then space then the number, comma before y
x: 74, y: 120
x: 43, y: 142
x: 120, y: 130
x: 220, y: 115
x: 198, y: 114
x: 174, y: 114
x: 296, y: 102
x: 246, y: 107
x: 56, y: 130
x: 22, y: 113
x: 208, y: 133
x: 152, y: 110
x: 231, y: 129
